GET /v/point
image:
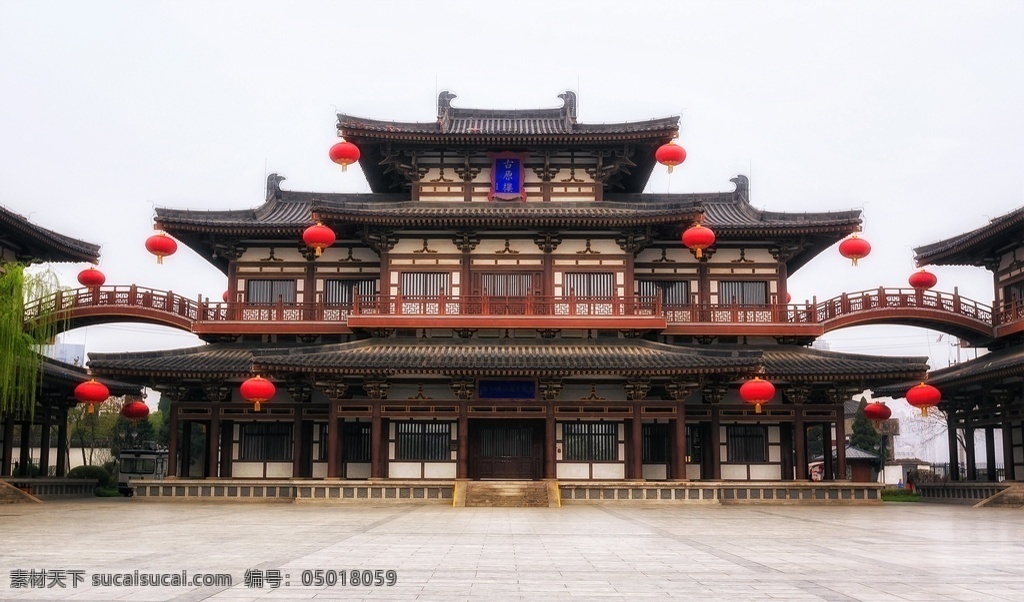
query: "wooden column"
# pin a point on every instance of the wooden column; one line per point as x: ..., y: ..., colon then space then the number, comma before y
x: 462, y: 465
x: 828, y: 472
x: 550, y: 471
x: 62, y: 442
x: 954, y: 446
x: 213, y: 442
x: 333, y: 439
x: 679, y: 443
x: 1009, y: 471
x: 172, y: 441
x: 972, y: 467
x: 7, y: 459
x: 636, y: 445
x: 375, y: 442
x: 990, y: 453
x: 227, y: 436
x: 297, y: 442
x: 841, y: 444
x: 186, y: 448
x: 26, y: 457
x: 716, y: 444
x: 44, y: 444
x: 800, y: 443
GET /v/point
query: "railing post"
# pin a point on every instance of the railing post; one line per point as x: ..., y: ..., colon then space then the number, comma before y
x: 844, y: 303
x: 956, y: 300
x: 399, y: 309
x: 356, y: 298
x: 133, y: 292
x: 168, y: 302
x: 529, y: 304
x: 442, y: 304
x: 280, y: 308
x: 883, y: 301
x: 814, y: 309
x: 201, y: 307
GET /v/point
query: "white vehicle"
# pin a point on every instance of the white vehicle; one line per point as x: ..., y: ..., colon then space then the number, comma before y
x: 146, y: 463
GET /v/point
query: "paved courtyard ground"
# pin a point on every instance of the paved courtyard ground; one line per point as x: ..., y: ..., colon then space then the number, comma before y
x: 890, y: 552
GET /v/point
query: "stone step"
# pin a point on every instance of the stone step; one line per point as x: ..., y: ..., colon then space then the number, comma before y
x: 507, y: 494
x: 1011, y: 497
x: 9, y: 494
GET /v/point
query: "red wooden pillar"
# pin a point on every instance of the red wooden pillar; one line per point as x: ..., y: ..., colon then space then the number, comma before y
x: 297, y: 442
x: 636, y: 444
x: 26, y: 456
x: 549, y: 443
x: 972, y: 466
x: 62, y: 443
x: 44, y: 444
x: 213, y: 442
x: 227, y: 436
x: 186, y: 448
x: 172, y: 442
x: 375, y: 441
x: 840, y: 444
x: 954, y: 456
x: 1009, y: 473
x: 990, y: 453
x: 679, y: 443
x: 462, y: 466
x: 800, y: 443
x: 8, y: 449
x: 716, y: 444
x: 333, y: 438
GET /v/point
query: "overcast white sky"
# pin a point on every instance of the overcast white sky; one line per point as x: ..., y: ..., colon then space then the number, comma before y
x: 912, y: 111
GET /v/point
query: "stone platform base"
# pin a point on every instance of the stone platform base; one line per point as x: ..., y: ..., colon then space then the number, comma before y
x: 569, y: 492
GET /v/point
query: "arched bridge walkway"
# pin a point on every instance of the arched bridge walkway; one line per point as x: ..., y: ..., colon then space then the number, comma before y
x: 946, y: 312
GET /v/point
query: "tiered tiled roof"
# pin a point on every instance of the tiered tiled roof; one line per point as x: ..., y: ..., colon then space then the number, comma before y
x: 977, y: 247
x: 58, y: 374
x: 24, y: 241
x: 222, y: 360
x: 803, y: 363
x: 983, y: 371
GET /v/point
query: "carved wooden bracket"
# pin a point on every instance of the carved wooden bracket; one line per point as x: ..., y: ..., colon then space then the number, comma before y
x: 634, y: 241
x: 300, y: 389
x: 637, y: 389
x: 463, y: 389
x: 216, y: 390
x: 376, y: 389
x: 466, y: 240
x: 333, y: 389
x: 551, y: 389
x: 797, y: 394
x: 679, y: 389
x: 547, y: 241
x: 713, y: 391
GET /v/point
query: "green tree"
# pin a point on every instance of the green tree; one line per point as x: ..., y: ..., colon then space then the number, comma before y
x: 21, y: 334
x: 815, y: 441
x: 864, y: 434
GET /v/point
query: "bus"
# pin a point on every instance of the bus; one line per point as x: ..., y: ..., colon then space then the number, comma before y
x: 147, y: 462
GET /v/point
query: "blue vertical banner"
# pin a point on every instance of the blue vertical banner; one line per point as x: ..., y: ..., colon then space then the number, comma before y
x: 507, y: 177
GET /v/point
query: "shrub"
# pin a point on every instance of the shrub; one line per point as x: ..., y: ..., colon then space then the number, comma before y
x: 91, y: 472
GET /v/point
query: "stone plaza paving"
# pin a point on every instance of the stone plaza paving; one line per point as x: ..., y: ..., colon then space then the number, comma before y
x: 606, y: 552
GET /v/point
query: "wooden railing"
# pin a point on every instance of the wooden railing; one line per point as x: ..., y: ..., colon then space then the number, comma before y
x: 870, y: 305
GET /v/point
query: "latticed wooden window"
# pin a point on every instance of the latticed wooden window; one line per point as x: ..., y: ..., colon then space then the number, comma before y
x: 425, y: 283
x: 266, y: 441
x: 356, y: 437
x: 743, y: 292
x: 423, y: 441
x: 343, y: 291
x: 671, y: 293
x: 747, y: 443
x: 656, y: 441
x: 506, y: 285
x: 270, y: 291
x: 589, y: 284
x: 590, y: 441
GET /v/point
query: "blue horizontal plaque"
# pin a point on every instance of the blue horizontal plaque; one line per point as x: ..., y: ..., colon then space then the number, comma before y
x: 506, y: 389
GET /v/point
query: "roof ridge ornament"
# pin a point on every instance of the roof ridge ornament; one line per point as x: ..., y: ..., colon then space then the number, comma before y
x: 742, y: 191
x: 444, y: 109
x: 274, y: 185
x: 569, y: 103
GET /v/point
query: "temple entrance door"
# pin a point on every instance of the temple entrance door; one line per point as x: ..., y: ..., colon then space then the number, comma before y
x: 506, y: 449
x: 508, y: 293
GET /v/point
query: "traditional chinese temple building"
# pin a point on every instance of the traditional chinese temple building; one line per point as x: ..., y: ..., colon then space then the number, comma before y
x: 22, y: 242
x: 987, y: 393
x: 506, y: 303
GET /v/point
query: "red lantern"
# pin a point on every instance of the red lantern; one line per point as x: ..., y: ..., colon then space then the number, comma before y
x: 91, y: 277
x: 923, y: 280
x: 135, y: 410
x: 876, y: 412
x: 344, y: 154
x: 757, y: 391
x: 257, y: 390
x: 91, y: 393
x: 697, y: 238
x: 318, y: 237
x: 924, y: 396
x: 226, y: 296
x: 854, y: 248
x: 670, y: 154
x: 789, y: 298
x: 161, y: 245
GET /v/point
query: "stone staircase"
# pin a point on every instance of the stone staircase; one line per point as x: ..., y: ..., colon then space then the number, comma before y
x: 1011, y: 497
x: 9, y: 494
x: 508, y: 494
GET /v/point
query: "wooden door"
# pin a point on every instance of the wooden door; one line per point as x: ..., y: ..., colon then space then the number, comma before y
x: 504, y: 449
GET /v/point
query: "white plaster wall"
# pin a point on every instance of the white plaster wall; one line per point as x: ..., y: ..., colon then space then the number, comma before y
x: 765, y: 472
x: 358, y: 470
x: 279, y: 470
x: 248, y: 470
x: 439, y: 470
x: 693, y: 471
x: 405, y: 470
x: 572, y: 470
x: 609, y: 471
x: 734, y: 472
x: 319, y: 470
x: 655, y: 472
